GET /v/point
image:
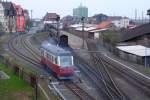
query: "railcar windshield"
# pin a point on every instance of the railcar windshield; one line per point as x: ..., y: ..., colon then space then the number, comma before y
x: 66, y: 61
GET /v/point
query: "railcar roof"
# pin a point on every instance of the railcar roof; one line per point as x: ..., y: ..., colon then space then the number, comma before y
x: 52, y: 48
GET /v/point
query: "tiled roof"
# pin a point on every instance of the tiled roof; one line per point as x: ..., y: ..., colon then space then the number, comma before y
x: 50, y: 16
x: 104, y: 24
x: 7, y: 5
x: 135, y: 32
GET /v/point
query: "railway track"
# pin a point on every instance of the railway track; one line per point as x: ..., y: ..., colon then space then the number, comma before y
x: 112, y: 89
x: 132, y: 78
x: 29, y: 48
x: 107, y: 65
x: 101, y: 74
x: 79, y: 92
x: 13, y: 48
x: 105, y: 88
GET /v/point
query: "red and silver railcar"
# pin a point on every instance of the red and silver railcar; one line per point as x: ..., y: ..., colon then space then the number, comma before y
x: 58, y: 60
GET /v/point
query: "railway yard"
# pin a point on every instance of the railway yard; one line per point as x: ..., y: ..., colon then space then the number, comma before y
x: 97, y: 76
x: 88, y: 55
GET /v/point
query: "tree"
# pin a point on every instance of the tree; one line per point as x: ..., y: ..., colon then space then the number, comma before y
x: 111, y: 36
x: 1, y: 27
x: 28, y: 24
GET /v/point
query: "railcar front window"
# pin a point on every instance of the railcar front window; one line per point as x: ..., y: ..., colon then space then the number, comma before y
x: 66, y: 61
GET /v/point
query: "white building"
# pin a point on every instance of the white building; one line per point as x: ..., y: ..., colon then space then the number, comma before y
x: 121, y: 23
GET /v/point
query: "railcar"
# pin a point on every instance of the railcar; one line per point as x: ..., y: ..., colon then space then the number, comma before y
x: 58, y: 60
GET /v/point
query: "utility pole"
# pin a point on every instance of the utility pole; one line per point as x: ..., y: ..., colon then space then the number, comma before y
x: 145, y: 60
x: 36, y: 91
x: 83, y: 38
x: 142, y: 17
x: 135, y: 15
x: 57, y: 35
x: 31, y: 14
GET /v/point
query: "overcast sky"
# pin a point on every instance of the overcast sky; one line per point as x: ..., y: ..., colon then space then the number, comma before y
x: 64, y: 7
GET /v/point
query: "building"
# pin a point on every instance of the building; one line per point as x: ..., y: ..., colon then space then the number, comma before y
x: 50, y: 18
x: 139, y: 35
x: 67, y: 21
x: 12, y: 17
x: 9, y: 16
x: 20, y: 19
x: 119, y: 22
x: 2, y: 17
x: 81, y: 11
x: 98, y: 18
x: 135, y: 53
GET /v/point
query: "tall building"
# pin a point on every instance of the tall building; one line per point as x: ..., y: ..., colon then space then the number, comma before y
x: 81, y: 11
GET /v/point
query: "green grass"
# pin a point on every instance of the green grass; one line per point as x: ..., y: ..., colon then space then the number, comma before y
x: 13, y: 88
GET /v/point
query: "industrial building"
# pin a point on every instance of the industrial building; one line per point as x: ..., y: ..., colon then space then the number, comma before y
x: 81, y: 11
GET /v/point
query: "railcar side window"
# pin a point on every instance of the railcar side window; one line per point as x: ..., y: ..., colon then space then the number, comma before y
x: 45, y: 54
x: 53, y: 60
x: 42, y: 52
x: 48, y: 56
x: 56, y: 60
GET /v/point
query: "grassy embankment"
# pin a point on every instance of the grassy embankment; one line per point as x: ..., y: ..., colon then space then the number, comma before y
x: 14, y: 88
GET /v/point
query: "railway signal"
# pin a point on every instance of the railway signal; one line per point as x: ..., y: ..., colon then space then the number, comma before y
x: 57, y: 19
x: 148, y: 13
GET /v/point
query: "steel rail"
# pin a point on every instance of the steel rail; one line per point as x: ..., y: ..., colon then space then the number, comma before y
x: 21, y: 55
x: 79, y: 91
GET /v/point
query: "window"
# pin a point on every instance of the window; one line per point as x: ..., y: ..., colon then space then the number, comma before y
x: 42, y: 52
x: 56, y: 62
x: 49, y: 57
x: 66, y: 61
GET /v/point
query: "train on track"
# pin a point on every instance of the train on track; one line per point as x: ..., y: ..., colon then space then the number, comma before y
x: 59, y: 60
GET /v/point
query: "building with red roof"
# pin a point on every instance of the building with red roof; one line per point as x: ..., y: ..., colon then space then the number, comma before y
x: 50, y: 18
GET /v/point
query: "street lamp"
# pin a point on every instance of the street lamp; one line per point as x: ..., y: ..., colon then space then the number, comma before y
x: 82, y: 19
x: 145, y: 60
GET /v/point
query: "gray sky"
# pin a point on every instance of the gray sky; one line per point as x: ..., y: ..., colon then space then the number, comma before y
x: 64, y: 7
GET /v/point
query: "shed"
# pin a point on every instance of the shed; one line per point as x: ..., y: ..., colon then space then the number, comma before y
x: 135, y: 53
x: 96, y: 34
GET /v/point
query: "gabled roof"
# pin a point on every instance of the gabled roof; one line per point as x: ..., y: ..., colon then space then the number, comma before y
x: 7, y: 5
x: 135, y: 32
x: 50, y: 16
x: 19, y: 10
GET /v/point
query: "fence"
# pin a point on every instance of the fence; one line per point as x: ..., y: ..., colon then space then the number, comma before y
x: 30, y: 78
x: 125, y: 56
